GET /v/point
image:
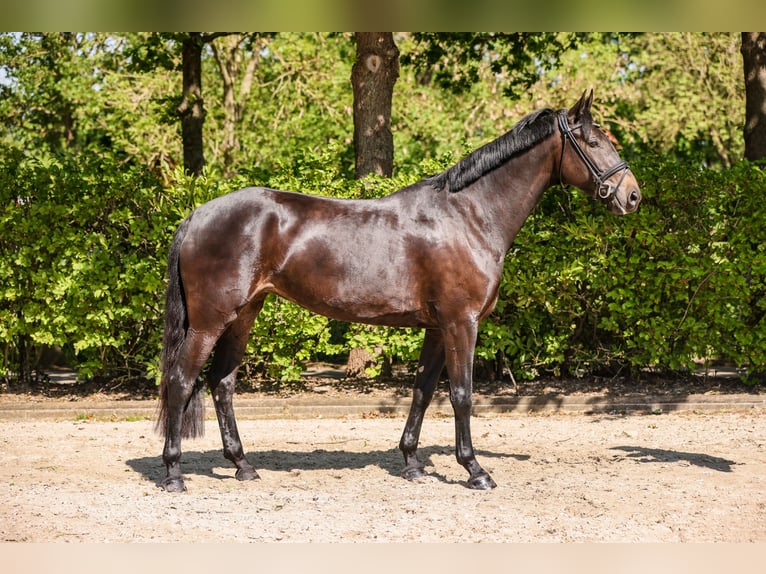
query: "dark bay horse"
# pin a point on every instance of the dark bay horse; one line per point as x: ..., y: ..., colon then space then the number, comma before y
x: 429, y: 255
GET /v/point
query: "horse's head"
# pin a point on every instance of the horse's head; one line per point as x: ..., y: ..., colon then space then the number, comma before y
x: 589, y: 160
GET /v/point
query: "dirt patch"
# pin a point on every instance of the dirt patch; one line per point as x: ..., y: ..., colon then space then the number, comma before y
x: 665, y: 477
x: 327, y: 380
x: 678, y: 477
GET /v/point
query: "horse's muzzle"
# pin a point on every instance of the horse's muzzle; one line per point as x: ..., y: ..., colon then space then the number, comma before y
x: 626, y: 197
x: 634, y: 199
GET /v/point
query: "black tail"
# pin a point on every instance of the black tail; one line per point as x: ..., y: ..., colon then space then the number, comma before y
x: 176, y: 323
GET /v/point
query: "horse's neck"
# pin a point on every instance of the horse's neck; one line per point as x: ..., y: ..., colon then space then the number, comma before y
x: 510, y: 193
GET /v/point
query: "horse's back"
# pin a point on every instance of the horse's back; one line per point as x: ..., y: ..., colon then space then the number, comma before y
x: 383, y: 261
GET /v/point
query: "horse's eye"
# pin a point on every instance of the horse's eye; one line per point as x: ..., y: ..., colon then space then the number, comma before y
x: 594, y: 142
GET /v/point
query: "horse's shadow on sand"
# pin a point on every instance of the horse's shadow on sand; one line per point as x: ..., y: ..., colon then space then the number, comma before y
x: 649, y: 455
x: 205, y: 463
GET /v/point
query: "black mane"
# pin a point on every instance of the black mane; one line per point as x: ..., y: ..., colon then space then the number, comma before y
x: 530, y: 130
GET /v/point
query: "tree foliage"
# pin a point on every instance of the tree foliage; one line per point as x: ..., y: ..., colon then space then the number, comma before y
x: 92, y: 189
x: 458, y: 61
x: 80, y: 260
x: 678, y: 283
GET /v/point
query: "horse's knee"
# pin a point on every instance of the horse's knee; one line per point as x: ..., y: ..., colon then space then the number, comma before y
x: 461, y: 400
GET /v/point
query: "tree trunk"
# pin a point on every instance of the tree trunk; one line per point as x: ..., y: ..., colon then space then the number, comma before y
x: 372, y: 78
x: 191, y: 110
x: 359, y: 360
x: 754, y: 59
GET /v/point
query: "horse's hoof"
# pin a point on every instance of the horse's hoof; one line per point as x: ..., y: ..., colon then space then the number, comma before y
x: 247, y: 474
x: 414, y: 472
x: 481, y: 482
x: 173, y: 485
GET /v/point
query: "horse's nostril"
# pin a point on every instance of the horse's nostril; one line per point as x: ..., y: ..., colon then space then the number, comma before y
x: 634, y: 197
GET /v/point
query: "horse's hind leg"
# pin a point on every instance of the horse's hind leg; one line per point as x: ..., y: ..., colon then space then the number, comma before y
x: 429, y: 368
x: 222, y: 379
x: 183, y: 394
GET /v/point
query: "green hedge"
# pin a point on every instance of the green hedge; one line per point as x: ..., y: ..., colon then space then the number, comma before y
x: 680, y: 281
x: 83, y: 243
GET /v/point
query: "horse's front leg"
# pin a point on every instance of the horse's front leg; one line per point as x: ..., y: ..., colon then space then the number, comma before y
x: 459, y: 344
x: 427, y: 377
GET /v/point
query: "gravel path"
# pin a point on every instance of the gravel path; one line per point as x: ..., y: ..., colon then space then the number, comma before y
x: 677, y: 477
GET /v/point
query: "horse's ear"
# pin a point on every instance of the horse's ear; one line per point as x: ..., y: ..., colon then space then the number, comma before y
x: 581, y: 109
x: 579, y: 114
x: 588, y: 103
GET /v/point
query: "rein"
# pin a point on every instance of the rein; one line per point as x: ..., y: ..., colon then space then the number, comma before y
x: 603, y: 190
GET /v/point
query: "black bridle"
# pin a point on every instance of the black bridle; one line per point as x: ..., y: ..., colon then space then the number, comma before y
x: 604, y: 190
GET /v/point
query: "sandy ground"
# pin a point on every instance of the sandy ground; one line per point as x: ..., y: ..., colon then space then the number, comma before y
x: 678, y: 477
